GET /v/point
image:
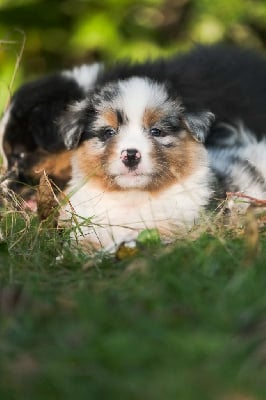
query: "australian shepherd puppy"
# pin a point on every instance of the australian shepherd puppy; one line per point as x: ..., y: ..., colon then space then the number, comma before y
x: 140, y: 163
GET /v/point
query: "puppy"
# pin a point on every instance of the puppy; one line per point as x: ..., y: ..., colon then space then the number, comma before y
x: 29, y: 140
x: 140, y: 162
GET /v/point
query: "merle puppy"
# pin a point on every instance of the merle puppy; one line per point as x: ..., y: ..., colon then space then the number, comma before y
x: 138, y: 162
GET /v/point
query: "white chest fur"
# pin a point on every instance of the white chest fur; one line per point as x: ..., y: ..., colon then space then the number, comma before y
x: 115, y: 216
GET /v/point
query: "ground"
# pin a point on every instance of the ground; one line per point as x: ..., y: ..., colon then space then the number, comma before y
x: 183, y: 321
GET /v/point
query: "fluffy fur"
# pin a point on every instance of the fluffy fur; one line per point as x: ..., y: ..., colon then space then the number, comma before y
x: 227, y: 80
x: 241, y: 165
x: 140, y: 165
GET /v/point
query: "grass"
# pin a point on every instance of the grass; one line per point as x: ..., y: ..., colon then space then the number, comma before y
x: 180, y: 322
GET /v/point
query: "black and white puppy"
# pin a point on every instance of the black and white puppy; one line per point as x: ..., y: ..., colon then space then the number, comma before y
x: 29, y: 139
x: 228, y: 80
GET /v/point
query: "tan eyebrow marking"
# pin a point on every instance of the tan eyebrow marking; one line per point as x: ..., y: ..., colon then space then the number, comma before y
x: 151, y: 116
x: 110, y: 118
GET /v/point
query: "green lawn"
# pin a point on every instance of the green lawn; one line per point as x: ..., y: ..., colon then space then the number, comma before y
x: 178, y: 322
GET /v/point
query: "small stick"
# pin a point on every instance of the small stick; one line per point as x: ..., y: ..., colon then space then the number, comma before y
x: 245, y: 196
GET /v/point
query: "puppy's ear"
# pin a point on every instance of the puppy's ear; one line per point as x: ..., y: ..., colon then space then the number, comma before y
x: 198, y: 124
x: 73, y: 123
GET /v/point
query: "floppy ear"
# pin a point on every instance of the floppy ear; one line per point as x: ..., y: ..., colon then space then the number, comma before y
x: 199, y: 123
x: 72, y: 123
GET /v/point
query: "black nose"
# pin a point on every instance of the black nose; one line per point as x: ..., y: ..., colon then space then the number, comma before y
x: 130, y: 157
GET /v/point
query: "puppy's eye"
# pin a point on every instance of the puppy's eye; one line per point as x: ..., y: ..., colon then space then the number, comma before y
x: 109, y: 132
x: 156, y: 132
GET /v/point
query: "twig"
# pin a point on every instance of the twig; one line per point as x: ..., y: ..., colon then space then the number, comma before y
x: 245, y: 196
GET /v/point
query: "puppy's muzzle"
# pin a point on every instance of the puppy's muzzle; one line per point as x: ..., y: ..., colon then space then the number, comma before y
x: 130, y: 157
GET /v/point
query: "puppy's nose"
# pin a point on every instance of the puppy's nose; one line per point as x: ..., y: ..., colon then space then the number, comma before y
x: 130, y: 157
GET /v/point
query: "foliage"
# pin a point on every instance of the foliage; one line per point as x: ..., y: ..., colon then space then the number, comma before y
x: 60, y: 34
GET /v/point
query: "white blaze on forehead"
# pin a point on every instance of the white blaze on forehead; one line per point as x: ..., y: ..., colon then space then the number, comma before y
x: 136, y: 95
x: 139, y: 94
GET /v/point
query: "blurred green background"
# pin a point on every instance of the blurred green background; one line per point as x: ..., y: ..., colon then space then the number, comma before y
x: 59, y: 34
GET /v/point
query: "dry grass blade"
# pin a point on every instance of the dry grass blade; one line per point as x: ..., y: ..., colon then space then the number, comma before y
x: 253, y: 200
x: 18, y: 61
x: 47, y: 202
x: 251, y: 236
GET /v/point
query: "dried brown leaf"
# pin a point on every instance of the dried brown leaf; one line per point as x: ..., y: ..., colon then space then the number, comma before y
x: 47, y: 202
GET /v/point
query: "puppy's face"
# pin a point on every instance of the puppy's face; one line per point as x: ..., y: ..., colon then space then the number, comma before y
x: 135, y: 136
